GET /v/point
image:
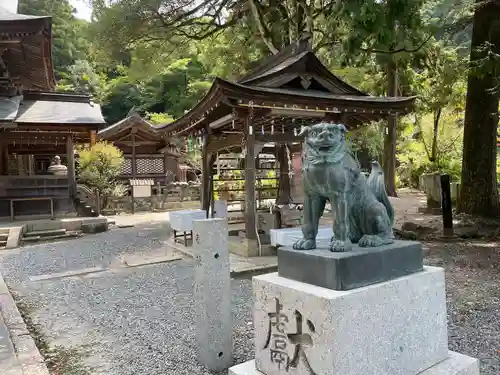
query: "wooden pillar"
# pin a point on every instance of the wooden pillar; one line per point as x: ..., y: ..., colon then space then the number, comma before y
x: 93, y: 137
x: 134, y: 164
x: 284, y: 189
x: 71, y: 165
x: 3, y: 170
x: 205, y: 174
x: 212, y: 157
x: 250, y: 204
x: 5, y: 163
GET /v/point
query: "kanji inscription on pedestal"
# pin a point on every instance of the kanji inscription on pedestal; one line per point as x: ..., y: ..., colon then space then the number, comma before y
x: 279, y: 340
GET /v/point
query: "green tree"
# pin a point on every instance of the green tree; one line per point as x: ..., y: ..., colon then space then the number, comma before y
x: 478, y: 190
x: 99, y: 166
x: 82, y: 78
x: 440, y: 84
x: 392, y: 30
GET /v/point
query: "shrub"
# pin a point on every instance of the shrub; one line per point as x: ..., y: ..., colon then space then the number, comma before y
x: 99, y: 166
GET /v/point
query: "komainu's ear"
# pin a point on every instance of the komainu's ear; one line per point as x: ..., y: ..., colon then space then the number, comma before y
x: 342, y: 128
x: 303, y: 131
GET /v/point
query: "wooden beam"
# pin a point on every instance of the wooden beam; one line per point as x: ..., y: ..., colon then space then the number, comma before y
x: 278, y: 138
x: 217, y: 144
x: 137, y: 143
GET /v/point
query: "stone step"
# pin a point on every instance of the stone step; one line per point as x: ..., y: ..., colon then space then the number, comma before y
x: 4, y: 236
x: 45, y: 233
x: 68, y: 234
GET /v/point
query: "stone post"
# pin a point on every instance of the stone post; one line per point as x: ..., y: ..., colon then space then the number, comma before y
x: 220, y: 209
x: 212, y: 293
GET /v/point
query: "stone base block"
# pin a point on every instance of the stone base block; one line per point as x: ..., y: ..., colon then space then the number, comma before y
x: 353, y: 269
x: 396, y: 327
x: 455, y: 364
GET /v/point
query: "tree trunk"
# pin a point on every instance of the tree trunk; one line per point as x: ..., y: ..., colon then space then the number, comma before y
x: 390, y: 137
x: 478, y: 192
x: 435, y: 132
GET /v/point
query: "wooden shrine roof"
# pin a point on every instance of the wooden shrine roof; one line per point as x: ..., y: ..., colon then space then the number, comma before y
x: 131, y: 124
x: 26, y: 50
x: 50, y: 108
x: 144, y: 133
x: 293, y: 84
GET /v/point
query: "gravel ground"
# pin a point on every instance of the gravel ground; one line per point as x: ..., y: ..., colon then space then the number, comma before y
x: 473, y: 298
x: 140, y: 320
x: 126, y: 321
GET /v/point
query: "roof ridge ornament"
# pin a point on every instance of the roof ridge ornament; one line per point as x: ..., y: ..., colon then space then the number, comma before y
x: 305, y: 42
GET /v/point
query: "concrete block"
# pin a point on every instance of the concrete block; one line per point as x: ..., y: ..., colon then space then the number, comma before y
x: 220, y: 209
x: 396, y: 327
x: 182, y: 221
x: 455, y: 364
x: 212, y: 293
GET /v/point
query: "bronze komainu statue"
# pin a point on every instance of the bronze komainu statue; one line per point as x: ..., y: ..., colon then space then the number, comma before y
x: 361, y: 208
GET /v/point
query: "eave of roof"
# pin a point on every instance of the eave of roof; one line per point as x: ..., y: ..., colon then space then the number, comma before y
x: 224, y: 91
x: 128, y: 122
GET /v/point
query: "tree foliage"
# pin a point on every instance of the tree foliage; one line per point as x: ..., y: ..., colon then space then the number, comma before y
x: 99, y: 166
x: 159, y: 57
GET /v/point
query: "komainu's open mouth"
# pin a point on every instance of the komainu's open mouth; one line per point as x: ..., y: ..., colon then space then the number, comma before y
x: 324, y: 148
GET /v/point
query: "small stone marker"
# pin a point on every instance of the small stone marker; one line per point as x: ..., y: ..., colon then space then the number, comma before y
x: 220, y: 209
x: 212, y: 293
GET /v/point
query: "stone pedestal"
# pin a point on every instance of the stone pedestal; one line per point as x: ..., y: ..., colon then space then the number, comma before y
x: 455, y: 364
x: 353, y: 269
x: 212, y: 293
x: 396, y: 327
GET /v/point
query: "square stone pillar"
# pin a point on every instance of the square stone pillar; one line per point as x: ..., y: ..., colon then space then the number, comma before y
x: 220, y: 209
x: 212, y: 293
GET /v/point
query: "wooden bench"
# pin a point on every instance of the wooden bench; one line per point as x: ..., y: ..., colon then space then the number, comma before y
x: 12, y: 200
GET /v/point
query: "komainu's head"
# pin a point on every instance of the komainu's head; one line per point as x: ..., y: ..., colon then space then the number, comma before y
x: 324, y: 142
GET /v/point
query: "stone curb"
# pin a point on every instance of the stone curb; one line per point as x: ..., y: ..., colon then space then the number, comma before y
x: 239, y: 273
x: 253, y: 271
x: 29, y: 360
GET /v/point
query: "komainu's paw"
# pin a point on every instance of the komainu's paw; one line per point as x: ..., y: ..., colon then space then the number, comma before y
x: 371, y: 240
x: 304, y: 244
x: 338, y: 246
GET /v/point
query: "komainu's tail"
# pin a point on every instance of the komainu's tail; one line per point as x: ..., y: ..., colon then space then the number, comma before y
x: 377, y: 185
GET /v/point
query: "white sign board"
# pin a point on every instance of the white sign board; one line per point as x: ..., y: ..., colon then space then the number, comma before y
x: 141, y: 191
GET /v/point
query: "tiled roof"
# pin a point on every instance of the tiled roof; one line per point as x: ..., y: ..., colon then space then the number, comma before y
x: 141, y: 182
x: 9, y: 108
x: 57, y: 112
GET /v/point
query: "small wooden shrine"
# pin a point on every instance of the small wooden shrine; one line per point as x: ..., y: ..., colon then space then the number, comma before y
x: 269, y: 105
x: 147, y: 154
